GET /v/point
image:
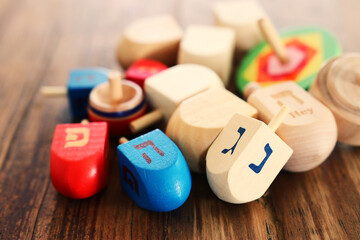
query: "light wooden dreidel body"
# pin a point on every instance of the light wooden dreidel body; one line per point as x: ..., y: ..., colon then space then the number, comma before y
x: 338, y: 87
x: 80, y: 84
x: 309, y: 129
x: 244, y: 159
x: 209, y: 46
x: 140, y: 70
x: 155, y: 37
x: 305, y: 49
x: 167, y: 89
x: 153, y: 172
x: 241, y: 16
x: 117, y: 102
x: 79, y: 161
x: 198, y: 120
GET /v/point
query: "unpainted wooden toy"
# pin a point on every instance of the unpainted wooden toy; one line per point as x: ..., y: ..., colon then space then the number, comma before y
x: 79, y: 159
x: 338, y: 86
x: 309, y: 129
x: 153, y: 172
x: 167, y: 89
x: 141, y: 69
x: 245, y: 158
x: 117, y: 102
x: 198, y: 120
x: 209, y: 46
x: 241, y: 16
x: 80, y: 84
x: 155, y: 37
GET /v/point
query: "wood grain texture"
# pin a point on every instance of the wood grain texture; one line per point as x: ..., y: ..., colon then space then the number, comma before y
x: 41, y: 41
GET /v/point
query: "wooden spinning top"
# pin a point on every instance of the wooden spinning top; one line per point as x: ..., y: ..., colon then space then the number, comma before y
x: 338, y: 86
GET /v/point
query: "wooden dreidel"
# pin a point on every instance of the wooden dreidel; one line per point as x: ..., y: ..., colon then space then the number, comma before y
x: 296, y: 55
x: 167, y: 89
x: 155, y: 37
x: 80, y: 84
x: 338, y: 87
x: 78, y: 160
x: 242, y: 17
x: 245, y: 158
x: 198, y: 120
x: 153, y: 172
x: 140, y: 70
x: 209, y: 46
x: 309, y: 129
x: 117, y: 102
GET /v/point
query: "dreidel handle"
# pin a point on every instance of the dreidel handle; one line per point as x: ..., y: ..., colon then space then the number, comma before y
x: 123, y: 140
x: 53, y: 91
x: 145, y: 121
x: 115, y: 86
x: 278, y: 118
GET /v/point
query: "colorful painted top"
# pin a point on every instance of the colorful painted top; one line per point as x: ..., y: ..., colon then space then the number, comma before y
x: 308, y: 48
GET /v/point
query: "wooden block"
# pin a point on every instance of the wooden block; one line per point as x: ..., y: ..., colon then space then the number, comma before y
x: 244, y: 160
x: 198, y: 120
x: 307, y: 48
x: 140, y: 70
x: 338, y: 87
x: 242, y: 17
x: 153, y: 172
x: 155, y: 37
x: 118, y: 115
x: 79, y: 161
x: 209, y: 46
x: 309, y: 129
x: 167, y: 89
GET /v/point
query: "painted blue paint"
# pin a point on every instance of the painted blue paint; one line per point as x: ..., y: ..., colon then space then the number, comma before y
x: 258, y: 168
x: 241, y: 132
x: 154, y: 172
x: 80, y: 84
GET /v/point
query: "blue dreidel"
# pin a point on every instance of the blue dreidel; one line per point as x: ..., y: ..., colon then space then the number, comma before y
x: 153, y: 172
x: 80, y: 84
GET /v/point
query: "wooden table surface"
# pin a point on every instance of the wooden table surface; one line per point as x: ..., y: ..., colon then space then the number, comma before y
x: 42, y: 40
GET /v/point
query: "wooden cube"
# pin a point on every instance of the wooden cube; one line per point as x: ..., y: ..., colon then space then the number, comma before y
x: 153, y: 172
x: 241, y: 16
x: 155, y: 37
x: 79, y: 161
x: 167, y: 89
x: 198, y: 120
x: 244, y: 160
x: 209, y: 46
x: 309, y: 129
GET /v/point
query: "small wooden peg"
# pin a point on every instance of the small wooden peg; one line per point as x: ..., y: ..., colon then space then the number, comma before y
x: 272, y: 37
x: 53, y: 91
x: 115, y: 86
x: 123, y: 140
x: 84, y: 121
x: 146, y: 120
x: 278, y: 118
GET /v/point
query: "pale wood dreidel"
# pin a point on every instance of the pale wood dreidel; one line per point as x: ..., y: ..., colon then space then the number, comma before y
x: 309, y: 129
x: 294, y: 55
x: 167, y: 89
x: 117, y: 102
x: 80, y: 84
x: 209, y: 46
x: 338, y: 87
x: 246, y: 157
x: 153, y: 172
x: 155, y: 37
x: 198, y: 120
x: 241, y: 16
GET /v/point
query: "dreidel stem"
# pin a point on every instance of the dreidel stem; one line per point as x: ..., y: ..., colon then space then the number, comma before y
x: 145, y: 121
x: 115, y: 86
x: 123, y: 140
x: 278, y: 118
x: 53, y: 91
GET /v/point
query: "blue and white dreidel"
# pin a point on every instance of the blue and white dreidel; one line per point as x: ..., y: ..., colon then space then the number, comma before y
x: 246, y: 157
x: 153, y: 172
x: 80, y: 84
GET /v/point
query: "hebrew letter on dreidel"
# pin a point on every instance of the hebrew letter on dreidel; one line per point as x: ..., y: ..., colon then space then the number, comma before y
x: 258, y: 168
x: 72, y: 137
x: 285, y: 94
x: 145, y: 144
x: 241, y: 132
x: 132, y: 180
